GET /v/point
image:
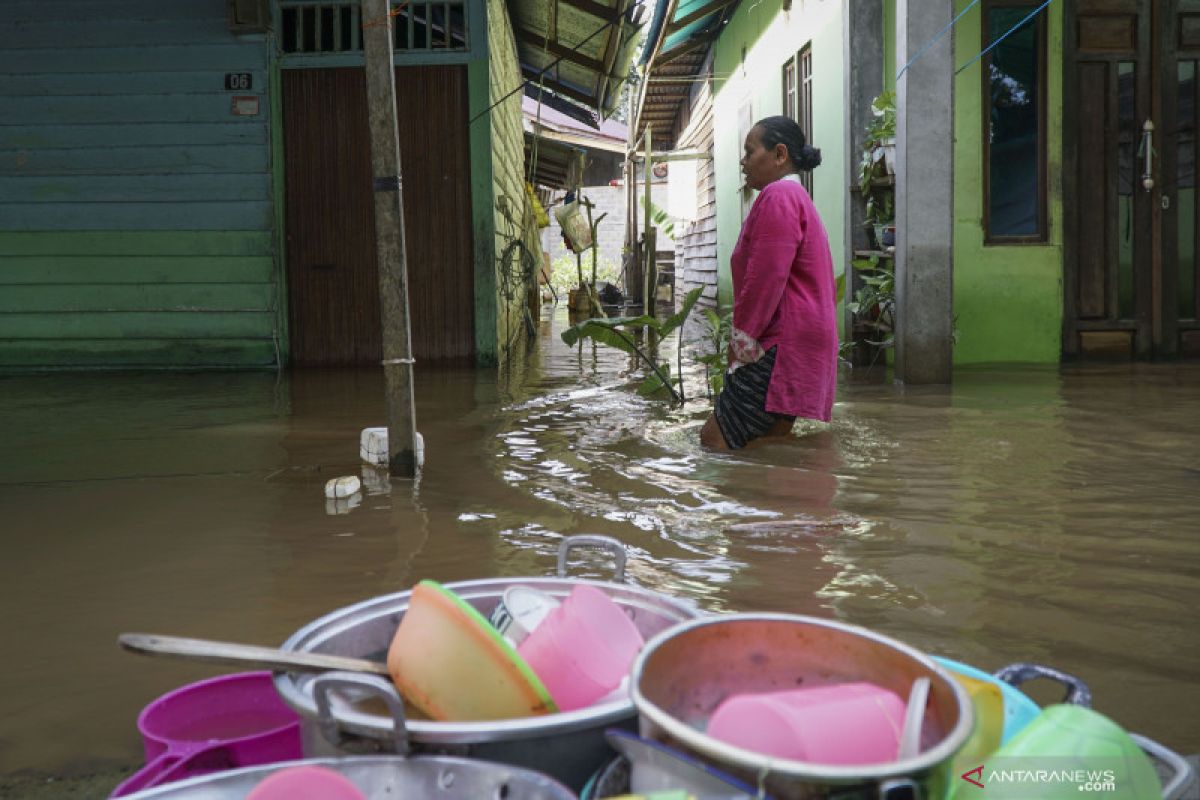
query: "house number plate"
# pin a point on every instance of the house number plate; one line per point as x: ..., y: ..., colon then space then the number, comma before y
x: 237, y: 81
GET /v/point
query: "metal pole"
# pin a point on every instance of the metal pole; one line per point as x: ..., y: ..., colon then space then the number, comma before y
x: 389, y: 237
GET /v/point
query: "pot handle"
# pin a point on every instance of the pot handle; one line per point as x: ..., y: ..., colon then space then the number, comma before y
x: 1184, y: 774
x: 591, y: 540
x: 900, y: 789
x: 323, y: 684
x: 1078, y: 693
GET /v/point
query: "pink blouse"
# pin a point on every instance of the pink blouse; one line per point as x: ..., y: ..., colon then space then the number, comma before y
x: 784, y: 295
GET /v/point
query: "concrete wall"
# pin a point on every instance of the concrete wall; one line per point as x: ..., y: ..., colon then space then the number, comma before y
x: 769, y: 36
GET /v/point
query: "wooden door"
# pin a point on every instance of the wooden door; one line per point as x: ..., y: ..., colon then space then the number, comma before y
x: 333, y: 291
x: 1131, y: 285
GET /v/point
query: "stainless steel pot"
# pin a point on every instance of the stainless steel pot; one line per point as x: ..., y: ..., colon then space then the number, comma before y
x: 383, y: 778
x: 683, y: 675
x: 569, y: 746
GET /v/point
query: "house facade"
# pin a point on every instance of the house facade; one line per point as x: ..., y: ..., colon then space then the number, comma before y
x: 187, y: 184
x: 1068, y: 166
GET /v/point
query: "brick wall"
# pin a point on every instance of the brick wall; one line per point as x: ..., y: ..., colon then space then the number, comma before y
x: 514, y: 218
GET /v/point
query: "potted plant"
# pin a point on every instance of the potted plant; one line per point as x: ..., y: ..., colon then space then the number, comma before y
x: 874, y: 305
x: 880, y: 218
x: 879, y: 148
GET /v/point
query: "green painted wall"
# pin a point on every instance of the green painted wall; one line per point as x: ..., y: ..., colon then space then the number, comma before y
x: 1007, y: 299
x: 512, y: 213
x: 139, y: 211
x: 483, y: 209
x: 770, y: 36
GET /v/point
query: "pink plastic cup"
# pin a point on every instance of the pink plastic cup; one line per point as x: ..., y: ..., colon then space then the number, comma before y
x: 846, y: 723
x: 217, y: 724
x: 583, y: 648
x: 306, y: 783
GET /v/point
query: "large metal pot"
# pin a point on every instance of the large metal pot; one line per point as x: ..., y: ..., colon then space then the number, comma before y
x: 683, y: 675
x: 383, y: 778
x: 569, y: 746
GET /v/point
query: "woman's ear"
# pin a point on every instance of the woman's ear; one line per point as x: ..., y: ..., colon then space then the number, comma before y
x: 781, y: 153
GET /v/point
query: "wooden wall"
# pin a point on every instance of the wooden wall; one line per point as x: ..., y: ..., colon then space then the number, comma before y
x: 136, y: 210
x: 696, y: 247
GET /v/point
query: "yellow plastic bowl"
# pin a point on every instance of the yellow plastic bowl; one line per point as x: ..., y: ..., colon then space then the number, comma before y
x: 450, y: 663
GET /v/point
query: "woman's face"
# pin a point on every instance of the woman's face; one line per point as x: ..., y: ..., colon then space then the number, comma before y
x: 761, y: 166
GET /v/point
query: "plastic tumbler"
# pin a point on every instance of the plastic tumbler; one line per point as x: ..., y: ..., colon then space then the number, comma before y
x: 583, y: 648
x: 845, y: 723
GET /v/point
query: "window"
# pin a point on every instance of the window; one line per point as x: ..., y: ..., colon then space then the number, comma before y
x: 1014, y: 126
x: 337, y: 27
x: 789, y: 88
x: 804, y: 108
x: 745, y: 123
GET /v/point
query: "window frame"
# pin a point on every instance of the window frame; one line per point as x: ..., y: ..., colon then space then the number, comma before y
x: 804, y: 104
x: 790, y: 88
x: 1042, y: 236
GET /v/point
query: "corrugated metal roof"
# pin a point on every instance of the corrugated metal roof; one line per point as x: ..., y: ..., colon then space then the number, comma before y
x: 676, y: 60
x: 578, y: 49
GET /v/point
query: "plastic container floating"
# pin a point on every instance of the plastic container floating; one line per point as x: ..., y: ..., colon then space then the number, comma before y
x: 363, y: 716
x: 217, y: 724
x: 378, y: 778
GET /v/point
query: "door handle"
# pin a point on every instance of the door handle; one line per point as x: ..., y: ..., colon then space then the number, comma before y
x: 1148, y: 155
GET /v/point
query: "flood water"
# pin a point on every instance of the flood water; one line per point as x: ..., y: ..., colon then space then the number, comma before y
x: 1024, y: 515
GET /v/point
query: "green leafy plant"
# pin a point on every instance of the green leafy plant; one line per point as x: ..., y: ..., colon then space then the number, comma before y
x: 879, y: 134
x: 661, y: 219
x: 617, y: 332
x: 716, y: 361
x: 564, y: 272
x: 874, y: 304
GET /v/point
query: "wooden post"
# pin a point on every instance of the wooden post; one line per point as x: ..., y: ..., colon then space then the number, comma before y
x: 389, y: 237
x: 651, y: 267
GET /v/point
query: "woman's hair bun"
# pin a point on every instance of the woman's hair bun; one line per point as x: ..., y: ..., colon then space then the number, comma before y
x: 808, y: 159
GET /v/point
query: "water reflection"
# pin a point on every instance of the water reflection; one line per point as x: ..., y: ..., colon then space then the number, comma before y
x: 1025, y: 515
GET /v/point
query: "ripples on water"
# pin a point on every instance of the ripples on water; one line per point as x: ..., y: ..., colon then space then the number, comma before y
x: 1030, y: 514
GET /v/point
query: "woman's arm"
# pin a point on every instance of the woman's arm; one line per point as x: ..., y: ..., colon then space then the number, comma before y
x: 770, y: 251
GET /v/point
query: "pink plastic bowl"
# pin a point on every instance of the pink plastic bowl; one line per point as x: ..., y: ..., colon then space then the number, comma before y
x: 218, y: 724
x: 306, y: 783
x: 583, y: 649
x: 846, y: 723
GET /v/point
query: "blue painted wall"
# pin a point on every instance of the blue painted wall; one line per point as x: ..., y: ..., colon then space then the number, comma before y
x: 137, y: 220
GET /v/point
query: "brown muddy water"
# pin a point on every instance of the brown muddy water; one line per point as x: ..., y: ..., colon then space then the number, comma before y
x: 1024, y: 515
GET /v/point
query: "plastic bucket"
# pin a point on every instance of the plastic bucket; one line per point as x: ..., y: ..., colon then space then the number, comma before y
x: 214, y: 725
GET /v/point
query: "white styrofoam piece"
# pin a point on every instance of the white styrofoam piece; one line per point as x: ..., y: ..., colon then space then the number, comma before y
x: 373, y: 447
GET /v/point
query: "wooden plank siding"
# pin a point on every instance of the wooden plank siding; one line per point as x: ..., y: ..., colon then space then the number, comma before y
x: 136, y: 210
x: 696, y: 249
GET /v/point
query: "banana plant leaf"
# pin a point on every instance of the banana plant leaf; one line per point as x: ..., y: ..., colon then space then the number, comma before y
x: 601, y: 328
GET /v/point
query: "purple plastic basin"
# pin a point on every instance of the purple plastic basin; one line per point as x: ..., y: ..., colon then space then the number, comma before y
x: 217, y: 724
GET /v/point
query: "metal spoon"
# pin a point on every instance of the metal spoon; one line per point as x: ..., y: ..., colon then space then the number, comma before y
x: 245, y: 654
